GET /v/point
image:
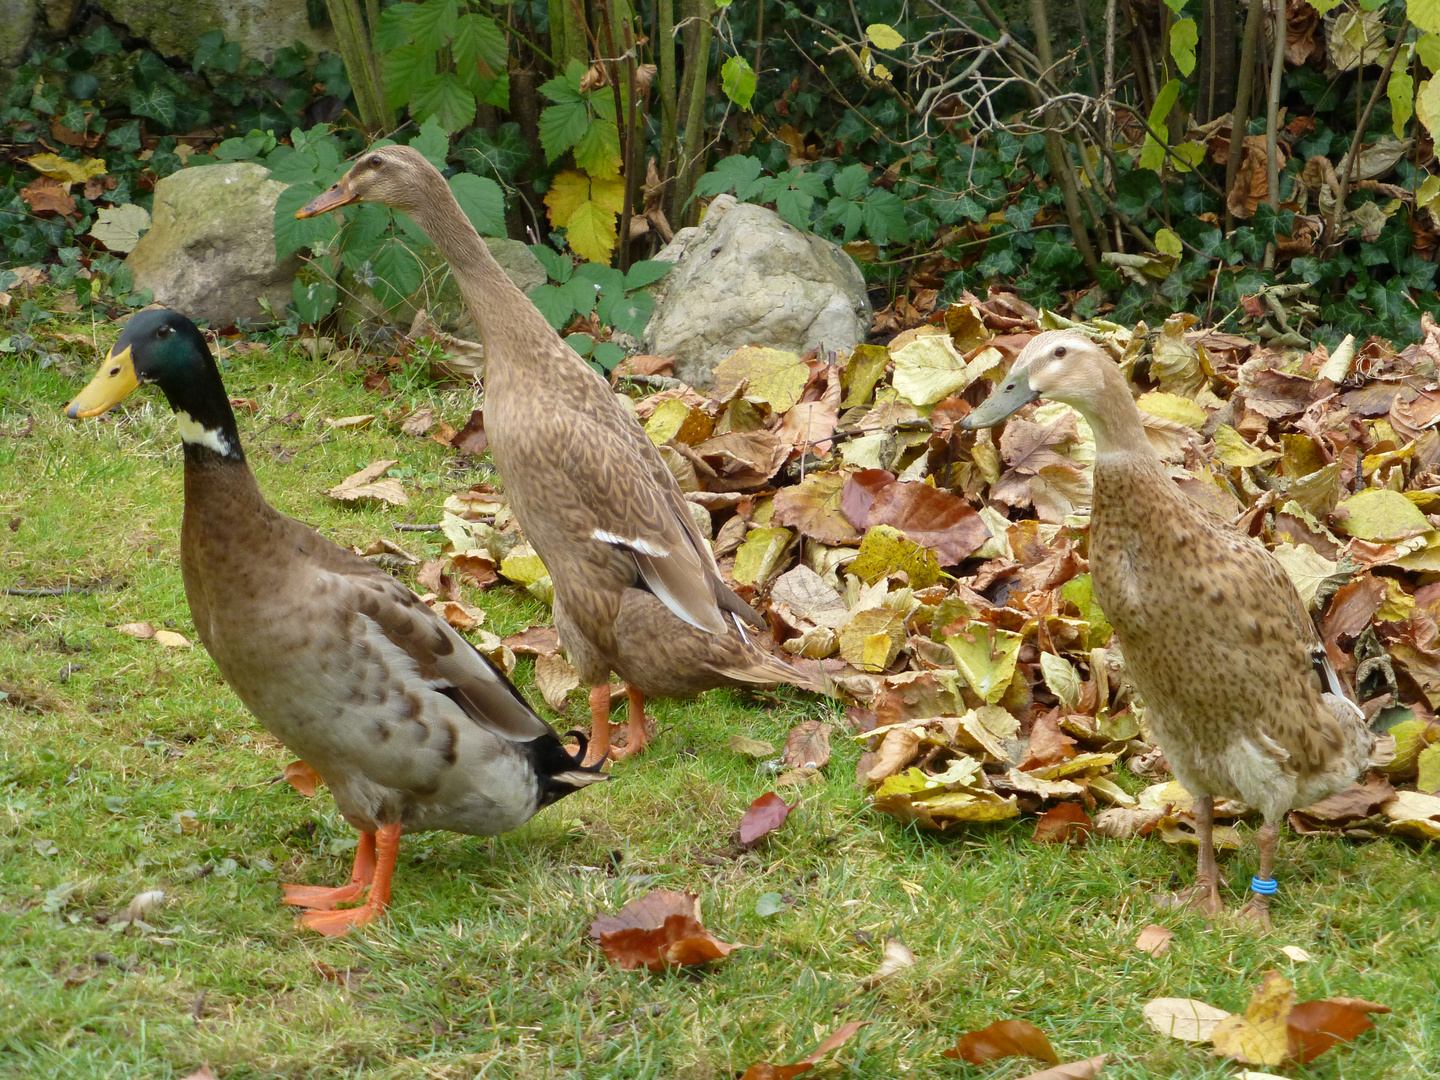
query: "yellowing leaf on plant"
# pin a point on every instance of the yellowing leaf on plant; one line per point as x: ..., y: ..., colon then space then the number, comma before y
x: 884, y: 36
x: 586, y: 207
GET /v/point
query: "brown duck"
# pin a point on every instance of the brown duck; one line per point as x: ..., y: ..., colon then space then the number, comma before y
x: 1237, y: 687
x: 407, y: 724
x: 637, y: 590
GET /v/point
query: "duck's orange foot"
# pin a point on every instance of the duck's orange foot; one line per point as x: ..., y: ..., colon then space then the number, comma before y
x: 339, y: 923
x: 320, y: 897
x: 633, y: 746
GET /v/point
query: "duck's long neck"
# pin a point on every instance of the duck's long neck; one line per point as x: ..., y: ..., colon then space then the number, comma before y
x: 1114, y: 417
x: 504, y: 315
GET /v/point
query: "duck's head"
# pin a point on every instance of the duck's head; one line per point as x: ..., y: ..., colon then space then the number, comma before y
x: 395, y: 176
x: 1062, y: 365
x: 165, y: 348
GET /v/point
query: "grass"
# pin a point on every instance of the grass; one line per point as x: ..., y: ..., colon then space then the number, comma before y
x: 125, y: 766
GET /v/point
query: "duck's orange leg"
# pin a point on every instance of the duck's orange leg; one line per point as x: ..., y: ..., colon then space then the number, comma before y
x: 339, y: 923
x: 636, y: 737
x: 599, y: 748
x: 321, y: 898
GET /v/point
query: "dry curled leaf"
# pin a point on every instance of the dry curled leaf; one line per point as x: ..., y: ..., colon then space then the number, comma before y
x: 1085, y: 1069
x: 142, y: 630
x: 302, y: 778
x: 366, y: 484
x: 1187, y: 1019
x: 1002, y: 1039
x: 765, y: 815
x: 1259, y: 1037
x: 555, y: 678
x: 765, y: 1071
x: 1314, y: 1026
x: 1154, y: 939
x: 808, y: 745
x: 1063, y: 823
x: 171, y: 640
x: 661, y: 929
x: 896, y: 958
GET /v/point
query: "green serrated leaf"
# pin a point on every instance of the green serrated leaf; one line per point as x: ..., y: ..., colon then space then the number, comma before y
x: 483, y: 202
x: 393, y: 30
x: 884, y: 214
x: 598, y: 150
x: 553, y: 304
x: 646, y: 272
x: 444, y: 98
x: 434, y: 23
x: 628, y: 314
x: 480, y: 41
x: 398, y: 272
x: 315, y: 299
x: 407, y: 68
x: 1152, y: 156
x: 562, y: 126
x: 737, y: 80
x: 557, y: 266
x: 432, y: 142
x: 292, y: 233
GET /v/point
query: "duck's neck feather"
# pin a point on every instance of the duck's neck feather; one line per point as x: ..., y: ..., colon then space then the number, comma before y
x: 510, y: 325
x: 1114, y: 418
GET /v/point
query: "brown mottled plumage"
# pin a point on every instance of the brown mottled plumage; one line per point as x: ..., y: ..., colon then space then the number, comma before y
x: 1237, y: 688
x: 407, y: 724
x: 637, y: 590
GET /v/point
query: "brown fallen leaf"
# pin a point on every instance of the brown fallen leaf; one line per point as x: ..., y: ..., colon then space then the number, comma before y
x: 897, y: 957
x: 44, y: 195
x: 434, y: 577
x: 535, y: 641
x: 555, y: 678
x: 1154, y: 939
x: 1085, y: 1069
x: 457, y: 613
x: 1002, y: 1039
x: 418, y: 422
x: 202, y: 1073
x: 366, y: 484
x: 755, y: 748
x: 358, y: 421
x: 302, y: 778
x: 808, y: 744
x: 661, y: 929
x: 142, y: 630
x: 766, y: 814
x: 1259, y: 1037
x: 765, y: 1071
x: 471, y: 438
x: 1063, y: 823
x: 1187, y: 1019
x: 1314, y: 1026
x: 479, y: 570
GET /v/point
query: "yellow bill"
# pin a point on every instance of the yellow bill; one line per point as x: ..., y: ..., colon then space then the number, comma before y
x: 339, y: 195
x: 112, y: 384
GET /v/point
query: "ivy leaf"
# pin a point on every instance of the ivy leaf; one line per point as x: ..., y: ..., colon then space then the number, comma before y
x: 598, y: 150
x: 562, y: 126
x: 1184, y: 36
x: 737, y: 79
x: 499, y: 154
x: 434, y: 22
x: 157, y: 103
x: 398, y: 272
x: 432, y: 142
x: 444, y: 98
x: 483, y: 202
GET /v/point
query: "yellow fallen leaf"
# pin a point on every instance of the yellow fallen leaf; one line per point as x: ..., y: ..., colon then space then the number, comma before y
x: 359, y: 421
x: 171, y: 640
x: 523, y: 566
x: 67, y: 172
x: 1259, y: 1037
x: 1187, y: 1019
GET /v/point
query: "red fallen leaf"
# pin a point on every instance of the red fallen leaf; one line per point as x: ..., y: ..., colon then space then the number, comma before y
x: 1048, y: 744
x: 471, y: 438
x: 931, y: 517
x: 859, y: 495
x: 765, y: 1071
x: 302, y: 778
x: 1063, y: 823
x: 434, y: 577
x: 659, y: 930
x: 1002, y: 1039
x: 1314, y: 1026
x: 766, y: 814
x: 44, y: 194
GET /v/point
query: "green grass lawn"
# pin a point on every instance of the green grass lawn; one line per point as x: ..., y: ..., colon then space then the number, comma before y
x: 125, y: 766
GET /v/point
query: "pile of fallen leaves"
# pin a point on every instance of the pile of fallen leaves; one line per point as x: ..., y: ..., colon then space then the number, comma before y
x: 939, y: 577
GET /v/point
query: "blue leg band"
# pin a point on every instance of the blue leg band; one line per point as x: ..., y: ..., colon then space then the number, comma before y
x: 1264, y: 886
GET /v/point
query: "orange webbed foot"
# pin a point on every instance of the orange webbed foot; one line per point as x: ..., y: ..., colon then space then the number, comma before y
x: 321, y: 898
x: 337, y: 924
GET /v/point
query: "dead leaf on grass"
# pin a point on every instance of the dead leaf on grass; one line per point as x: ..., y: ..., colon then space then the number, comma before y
x: 171, y: 640
x: 808, y: 745
x: 1314, y: 1026
x: 1154, y: 939
x: 471, y: 438
x: 1002, y: 1039
x: 418, y: 422
x: 766, y: 814
x: 765, y: 1071
x: 535, y: 641
x: 1187, y: 1019
x: 202, y: 1073
x: 1085, y: 1069
x: 755, y: 748
x: 1259, y: 1036
x: 661, y: 929
x: 555, y: 678
x: 366, y: 484
x: 897, y: 957
x: 360, y: 420
x: 1063, y: 823
x: 142, y: 630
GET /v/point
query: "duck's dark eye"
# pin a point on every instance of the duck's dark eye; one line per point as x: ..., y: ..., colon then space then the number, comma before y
x: 1060, y: 351
x: 376, y: 161
x: 114, y: 371
x: 165, y: 331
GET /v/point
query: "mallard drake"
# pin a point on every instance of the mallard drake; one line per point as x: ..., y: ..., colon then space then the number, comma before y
x: 1238, y: 690
x: 637, y: 589
x: 407, y: 724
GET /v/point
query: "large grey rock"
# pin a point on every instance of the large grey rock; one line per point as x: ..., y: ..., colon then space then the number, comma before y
x: 744, y: 276
x: 17, y: 24
x: 259, y: 27
x: 210, y: 251
x: 439, y: 294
